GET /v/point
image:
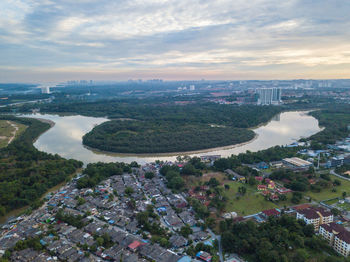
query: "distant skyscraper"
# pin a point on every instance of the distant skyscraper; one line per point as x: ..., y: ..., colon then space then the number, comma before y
x: 45, y: 90
x: 269, y: 96
x: 192, y: 87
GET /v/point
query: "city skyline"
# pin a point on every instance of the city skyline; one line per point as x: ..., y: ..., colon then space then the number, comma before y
x: 56, y: 41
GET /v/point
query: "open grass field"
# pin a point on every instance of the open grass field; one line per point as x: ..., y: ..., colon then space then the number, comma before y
x: 192, y: 181
x: 331, y: 202
x: 328, y: 194
x: 344, y: 206
x: 8, y: 131
x: 252, y: 202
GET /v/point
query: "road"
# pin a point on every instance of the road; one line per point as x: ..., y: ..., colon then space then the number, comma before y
x: 13, y: 132
x: 333, y: 173
x: 218, y: 238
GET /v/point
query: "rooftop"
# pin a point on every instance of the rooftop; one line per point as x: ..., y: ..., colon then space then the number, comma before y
x: 296, y: 161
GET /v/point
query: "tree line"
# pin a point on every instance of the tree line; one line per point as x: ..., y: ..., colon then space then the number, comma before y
x: 335, y: 119
x: 27, y: 173
x: 95, y: 173
x: 163, y: 128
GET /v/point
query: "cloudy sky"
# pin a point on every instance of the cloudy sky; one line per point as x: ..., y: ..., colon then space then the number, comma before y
x: 48, y: 40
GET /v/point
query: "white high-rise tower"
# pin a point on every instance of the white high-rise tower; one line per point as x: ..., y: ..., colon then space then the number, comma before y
x: 269, y: 96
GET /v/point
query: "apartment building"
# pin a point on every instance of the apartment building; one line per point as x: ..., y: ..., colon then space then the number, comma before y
x: 315, y: 216
x: 337, y: 236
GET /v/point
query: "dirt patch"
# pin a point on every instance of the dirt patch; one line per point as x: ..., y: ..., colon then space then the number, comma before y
x: 194, y: 181
x: 218, y: 175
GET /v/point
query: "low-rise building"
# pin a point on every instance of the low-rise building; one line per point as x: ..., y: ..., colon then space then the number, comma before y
x: 296, y: 162
x: 204, y: 256
x: 271, y: 212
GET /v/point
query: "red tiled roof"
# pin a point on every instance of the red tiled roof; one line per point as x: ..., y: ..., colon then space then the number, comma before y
x: 345, y: 236
x: 266, y: 192
x: 309, y: 213
x: 333, y: 227
x: 274, y: 197
x: 302, y: 206
x: 323, y: 211
x: 271, y: 212
x: 135, y: 245
x: 313, y: 212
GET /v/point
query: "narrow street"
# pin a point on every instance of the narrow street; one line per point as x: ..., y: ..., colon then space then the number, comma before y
x: 342, y: 177
x: 218, y: 237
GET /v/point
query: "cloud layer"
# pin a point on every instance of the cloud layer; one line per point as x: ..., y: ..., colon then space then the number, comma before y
x: 183, y: 39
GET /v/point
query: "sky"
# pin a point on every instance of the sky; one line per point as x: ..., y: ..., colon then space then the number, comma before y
x: 47, y: 40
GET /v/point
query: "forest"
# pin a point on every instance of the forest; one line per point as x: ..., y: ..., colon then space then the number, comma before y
x: 278, y: 239
x: 161, y: 137
x: 160, y: 125
x: 160, y: 128
x: 335, y: 119
x: 27, y: 173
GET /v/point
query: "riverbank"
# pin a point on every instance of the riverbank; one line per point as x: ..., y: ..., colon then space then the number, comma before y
x: 51, y: 123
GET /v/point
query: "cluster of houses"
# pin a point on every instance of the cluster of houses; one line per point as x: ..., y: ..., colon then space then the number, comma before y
x: 266, y: 186
x: 110, y: 209
x: 200, y: 194
x: 270, y: 189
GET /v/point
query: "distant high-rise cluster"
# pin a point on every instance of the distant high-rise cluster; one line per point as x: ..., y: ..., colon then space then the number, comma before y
x: 269, y: 96
x: 79, y: 82
x: 45, y: 90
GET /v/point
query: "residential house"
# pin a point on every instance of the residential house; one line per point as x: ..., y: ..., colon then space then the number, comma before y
x: 204, y: 256
x: 262, y: 187
x: 178, y: 241
x: 271, y: 212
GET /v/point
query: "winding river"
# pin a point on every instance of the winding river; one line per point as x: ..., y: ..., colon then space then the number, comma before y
x: 65, y: 138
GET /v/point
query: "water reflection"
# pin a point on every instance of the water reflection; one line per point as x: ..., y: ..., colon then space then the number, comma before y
x: 65, y: 138
x: 276, y: 117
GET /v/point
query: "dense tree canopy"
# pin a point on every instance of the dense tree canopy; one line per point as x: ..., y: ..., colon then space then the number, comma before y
x: 26, y: 173
x: 336, y: 120
x: 97, y: 172
x: 278, y: 239
x: 160, y: 137
x: 173, y: 128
